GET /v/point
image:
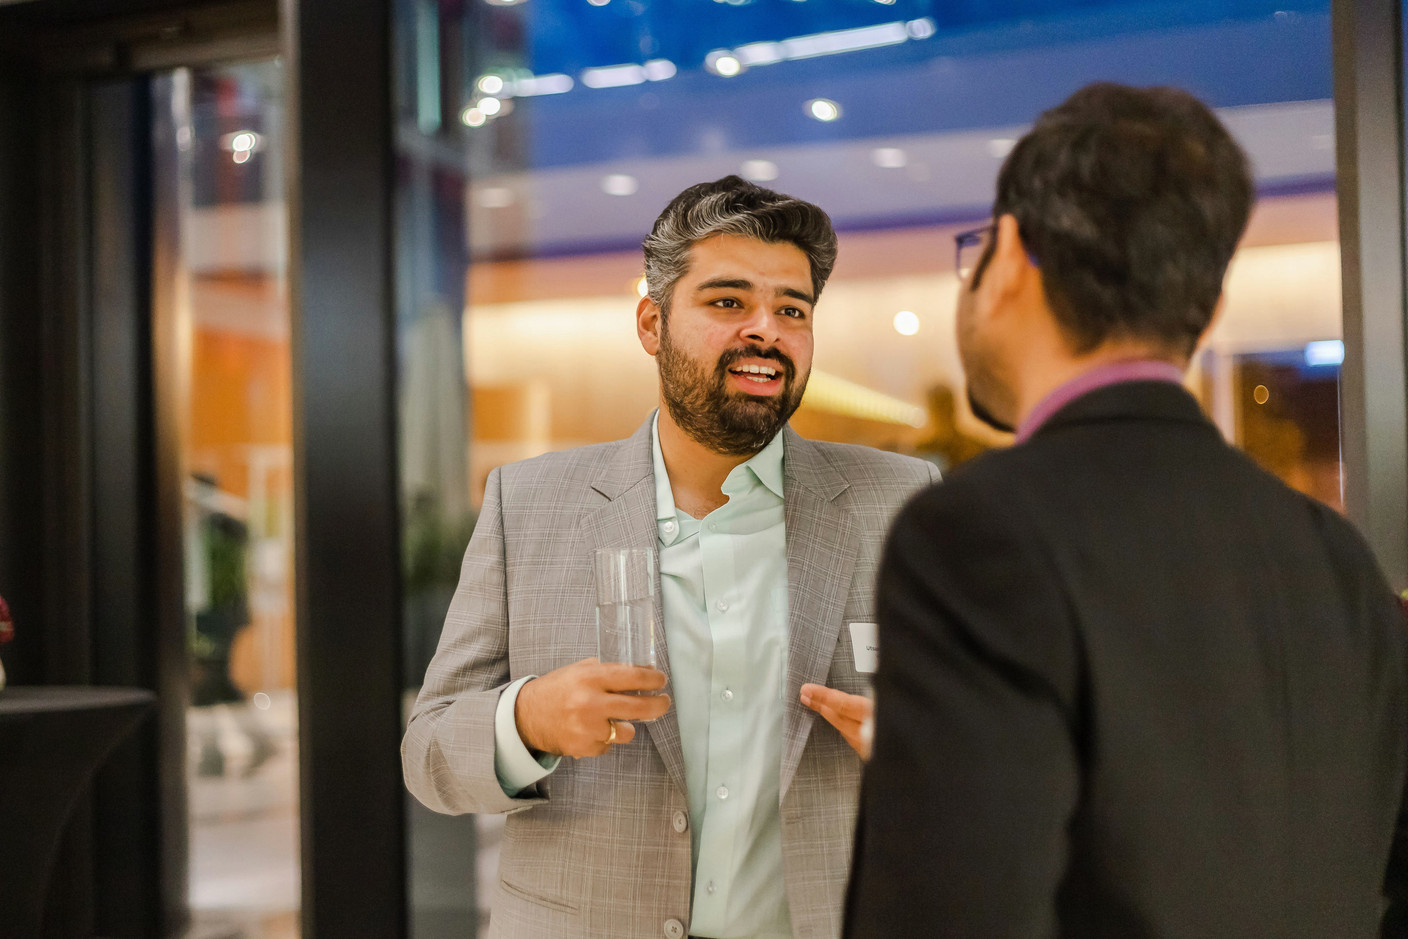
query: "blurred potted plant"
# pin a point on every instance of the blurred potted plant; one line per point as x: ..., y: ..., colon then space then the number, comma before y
x: 7, y: 633
x: 432, y: 549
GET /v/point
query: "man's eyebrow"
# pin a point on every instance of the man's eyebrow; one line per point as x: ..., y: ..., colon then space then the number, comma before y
x: 725, y: 283
x: 733, y: 283
x: 796, y: 294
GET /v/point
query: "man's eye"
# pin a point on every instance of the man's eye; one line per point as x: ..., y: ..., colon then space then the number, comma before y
x: 795, y: 313
x: 727, y: 302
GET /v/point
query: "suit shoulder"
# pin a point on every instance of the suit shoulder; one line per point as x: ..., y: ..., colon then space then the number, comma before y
x: 1345, y: 542
x: 861, y: 465
x: 558, y: 468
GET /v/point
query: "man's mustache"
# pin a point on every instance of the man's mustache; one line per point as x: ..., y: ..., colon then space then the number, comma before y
x: 733, y: 356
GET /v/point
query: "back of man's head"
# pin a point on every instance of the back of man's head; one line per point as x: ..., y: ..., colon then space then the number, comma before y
x: 1131, y: 201
x: 734, y: 206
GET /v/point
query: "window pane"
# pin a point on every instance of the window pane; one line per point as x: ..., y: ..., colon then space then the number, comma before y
x: 226, y: 125
x: 537, y: 142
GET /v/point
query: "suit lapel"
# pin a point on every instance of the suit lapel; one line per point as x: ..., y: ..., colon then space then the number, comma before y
x: 822, y: 546
x: 627, y: 520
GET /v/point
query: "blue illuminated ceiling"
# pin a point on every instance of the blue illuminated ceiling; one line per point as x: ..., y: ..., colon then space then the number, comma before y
x: 947, y: 66
x: 672, y: 91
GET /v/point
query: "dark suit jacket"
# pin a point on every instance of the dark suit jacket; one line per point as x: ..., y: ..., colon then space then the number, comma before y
x: 1130, y: 686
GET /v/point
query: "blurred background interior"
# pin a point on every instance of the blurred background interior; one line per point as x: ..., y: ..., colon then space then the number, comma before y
x: 282, y: 285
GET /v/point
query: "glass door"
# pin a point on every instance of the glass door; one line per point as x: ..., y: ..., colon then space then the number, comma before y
x: 221, y: 220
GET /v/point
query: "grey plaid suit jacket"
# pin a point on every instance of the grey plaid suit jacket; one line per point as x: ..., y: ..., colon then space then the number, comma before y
x: 601, y: 848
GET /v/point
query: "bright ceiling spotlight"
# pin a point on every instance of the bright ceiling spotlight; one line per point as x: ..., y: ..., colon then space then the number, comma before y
x: 473, y: 117
x: 759, y: 171
x: 921, y: 29
x: 490, y: 84
x: 722, y: 62
x: 823, y: 109
x: 890, y: 158
x: 906, y: 323
x: 619, y: 184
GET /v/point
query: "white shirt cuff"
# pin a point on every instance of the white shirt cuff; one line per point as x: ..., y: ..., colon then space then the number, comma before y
x: 515, y: 766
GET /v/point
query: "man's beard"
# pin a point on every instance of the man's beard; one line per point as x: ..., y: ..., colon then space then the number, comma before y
x: 727, y: 422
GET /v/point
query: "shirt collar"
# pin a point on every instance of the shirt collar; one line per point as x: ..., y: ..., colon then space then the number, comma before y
x: 765, y: 466
x: 1099, y: 377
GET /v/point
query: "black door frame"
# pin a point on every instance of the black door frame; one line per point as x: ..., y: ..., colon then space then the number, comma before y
x: 1369, y: 124
x: 85, y: 358
x: 345, y: 450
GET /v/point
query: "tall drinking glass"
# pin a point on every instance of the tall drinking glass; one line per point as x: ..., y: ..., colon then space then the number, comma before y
x: 625, y: 605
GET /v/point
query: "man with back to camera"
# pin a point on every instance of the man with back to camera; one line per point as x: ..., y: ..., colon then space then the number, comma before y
x: 1129, y: 684
x: 732, y: 815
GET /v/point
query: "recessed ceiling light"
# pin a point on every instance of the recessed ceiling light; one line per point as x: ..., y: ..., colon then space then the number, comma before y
x: 722, y: 62
x: 823, y: 109
x: 473, y: 117
x: 242, y: 141
x: 759, y: 171
x: 890, y: 158
x: 906, y: 323
x: 619, y: 184
x: 921, y: 29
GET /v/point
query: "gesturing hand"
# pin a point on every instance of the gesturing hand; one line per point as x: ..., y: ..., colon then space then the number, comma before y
x: 571, y: 711
x: 848, y: 713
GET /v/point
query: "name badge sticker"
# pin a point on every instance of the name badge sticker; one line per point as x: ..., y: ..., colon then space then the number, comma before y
x: 865, y: 640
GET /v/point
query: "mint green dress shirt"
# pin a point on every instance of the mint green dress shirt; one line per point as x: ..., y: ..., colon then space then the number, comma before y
x: 723, y: 581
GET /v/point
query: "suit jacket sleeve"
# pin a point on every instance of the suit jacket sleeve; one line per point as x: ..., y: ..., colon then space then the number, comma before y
x: 447, y: 755
x: 975, y: 771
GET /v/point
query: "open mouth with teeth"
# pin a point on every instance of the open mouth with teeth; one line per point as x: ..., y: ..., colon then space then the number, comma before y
x: 756, y: 378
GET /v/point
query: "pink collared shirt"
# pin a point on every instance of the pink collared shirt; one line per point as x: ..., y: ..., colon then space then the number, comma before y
x: 1100, y: 377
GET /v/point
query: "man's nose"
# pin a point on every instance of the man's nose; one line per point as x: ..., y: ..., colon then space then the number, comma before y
x: 760, y: 326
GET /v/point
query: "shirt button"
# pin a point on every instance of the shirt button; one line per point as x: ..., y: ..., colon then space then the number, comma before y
x: 721, y: 792
x: 680, y: 821
x: 713, y: 526
x: 710, y: 888
x: 722, y: 605
x: 674, y: 929
x: 727, y: 695
x: 669, y: 528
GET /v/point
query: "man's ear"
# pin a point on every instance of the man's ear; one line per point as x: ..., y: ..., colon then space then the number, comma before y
x: 1010, y: 268
x: 648, y: 325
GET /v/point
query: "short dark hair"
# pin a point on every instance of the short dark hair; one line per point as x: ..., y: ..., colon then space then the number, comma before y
x: 1131, y: 201
x: 734, y: 206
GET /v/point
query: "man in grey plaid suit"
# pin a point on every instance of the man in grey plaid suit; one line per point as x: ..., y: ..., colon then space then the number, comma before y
x: 732, y: 815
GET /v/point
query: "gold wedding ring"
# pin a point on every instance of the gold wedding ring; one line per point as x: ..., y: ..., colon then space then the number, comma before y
x: 611, y: 739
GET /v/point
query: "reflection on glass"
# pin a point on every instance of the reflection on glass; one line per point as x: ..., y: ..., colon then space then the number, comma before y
x: 1289, y: 418
x: 237, y: 454
x: 538, y: 141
